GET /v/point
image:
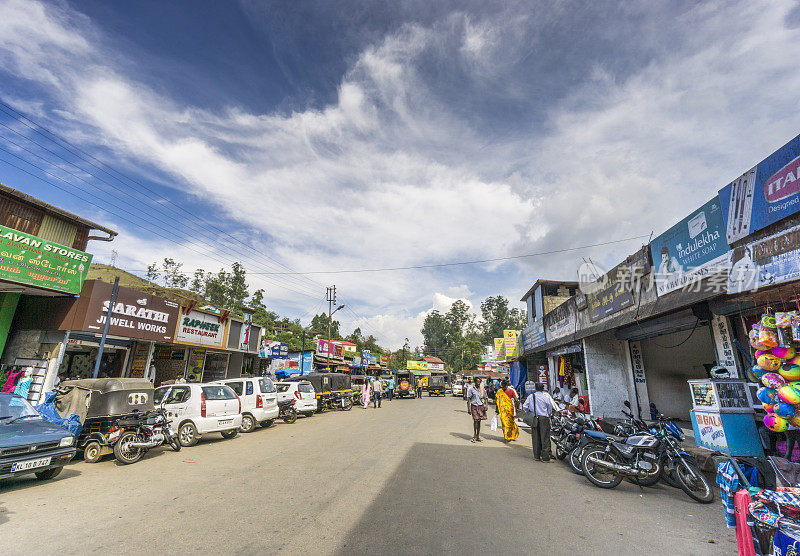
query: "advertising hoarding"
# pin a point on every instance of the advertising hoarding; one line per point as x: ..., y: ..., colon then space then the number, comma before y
x: 561, y: 321
x: 769, y: 261
x: 417, y: 365
x: 201, y: 328
x: 533, y: 336
x: 499, y: 349
x: 510, y: 343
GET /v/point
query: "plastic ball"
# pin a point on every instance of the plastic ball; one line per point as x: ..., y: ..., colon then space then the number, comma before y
x: 755, y: 344
x: 761, y: 352
x: 785, y: 410
x: 758, y: 372
x: 773, y: 380
x: 794, y: 360
x: 783, y: 352
x: 790, y: 372
x: 795, y: 421
x: 775, y: 423
x: 766, y: 395
x: 769, y: 362
x: 769, y: 407
x: 789, y: 395
x: 768, y: 321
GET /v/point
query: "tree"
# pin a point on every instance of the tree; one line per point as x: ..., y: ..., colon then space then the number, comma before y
x: 320, y: 322
x: 172, y: 274
x: 236, y: 288
x: 496, y: 317
x: 152, y: 272
x: 198, y: 285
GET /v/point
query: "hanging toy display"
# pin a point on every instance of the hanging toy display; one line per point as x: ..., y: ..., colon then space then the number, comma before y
x: 783, y: 325
x: 776, y: 423
x: 769, y: 362
x: 784, y: 352
x: 773, y: 380
x: 790, y: 372
x: 785, y: 410
x: 755, y: 342
x: 766, y: 395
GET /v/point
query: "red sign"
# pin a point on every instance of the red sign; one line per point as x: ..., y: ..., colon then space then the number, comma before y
x: 783, y: 183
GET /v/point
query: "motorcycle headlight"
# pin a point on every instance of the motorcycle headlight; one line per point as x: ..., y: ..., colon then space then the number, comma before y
x: 66, y: 441
x: 682, y: 437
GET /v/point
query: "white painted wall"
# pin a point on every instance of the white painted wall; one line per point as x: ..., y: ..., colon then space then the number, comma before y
x: 608, y: 374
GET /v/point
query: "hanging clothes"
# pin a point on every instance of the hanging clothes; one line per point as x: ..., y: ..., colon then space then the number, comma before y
x: 23, y: 386
x: 11, y: 381
x: 728, y: 482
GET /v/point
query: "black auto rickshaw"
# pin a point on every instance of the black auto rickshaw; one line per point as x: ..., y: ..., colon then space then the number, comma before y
x: 436, y: 385
x: 101, y: 403
x: 405, y: 385
x: 341, y: 391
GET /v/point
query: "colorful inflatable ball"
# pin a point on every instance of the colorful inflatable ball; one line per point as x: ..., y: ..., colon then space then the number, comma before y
x: 790, y: 372
x: 755, y: 373
x: 795, y: 421
x: 773, y: 380
x: 769, y: 407
x: 789, y: 395
x: 794, y: 360
x: 768, y: 321
x: 767, y: 395
x: 783, y: 352
x: 775, y: 423
x: 769, y: 362
x: 785, y: 410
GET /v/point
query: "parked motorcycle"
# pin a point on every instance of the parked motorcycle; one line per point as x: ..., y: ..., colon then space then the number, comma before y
x: 134, y: 436
x: 287, y: 411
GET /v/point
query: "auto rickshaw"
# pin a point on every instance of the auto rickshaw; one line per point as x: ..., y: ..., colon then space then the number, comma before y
x: 356, y: 383
x: 405, y: 385
x: 101, y: 403
x: 436, y: 385
x: 341, y: 392
x: 322, y: 387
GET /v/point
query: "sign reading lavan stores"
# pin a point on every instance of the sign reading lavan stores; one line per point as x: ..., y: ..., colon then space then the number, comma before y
x: 31, y: 260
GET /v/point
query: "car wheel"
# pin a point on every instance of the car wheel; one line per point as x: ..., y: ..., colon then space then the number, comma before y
x: 48, y: 473
x: 248, y: 423
x: 187, y: 435
x: 309, y: 413
x: 268, y: 423
x: 230, y: 433
x: 92, y: 452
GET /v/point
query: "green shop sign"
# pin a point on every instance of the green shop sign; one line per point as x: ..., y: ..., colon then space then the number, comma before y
x: 34, y: 261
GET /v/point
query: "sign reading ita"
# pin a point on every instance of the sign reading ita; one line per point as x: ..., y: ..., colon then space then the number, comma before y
x: 31, y: 260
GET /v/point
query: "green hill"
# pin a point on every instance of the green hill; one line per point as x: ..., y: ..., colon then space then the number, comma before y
x: 107, y: 273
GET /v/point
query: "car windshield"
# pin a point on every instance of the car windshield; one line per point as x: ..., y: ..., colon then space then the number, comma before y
x: 306, y: 388
x: 266, y: 385
x: 158, y: 395
x: 283, y: 387
x: 220, y: 392
x: 13, y: 407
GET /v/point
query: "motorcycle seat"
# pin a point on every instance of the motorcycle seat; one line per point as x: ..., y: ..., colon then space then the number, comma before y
x: 605, y: 436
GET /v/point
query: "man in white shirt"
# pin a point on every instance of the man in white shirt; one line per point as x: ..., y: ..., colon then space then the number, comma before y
x: 540, y: 404
x: 377, y: 392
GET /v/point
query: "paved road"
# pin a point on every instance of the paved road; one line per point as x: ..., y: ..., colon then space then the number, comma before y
x: 401, y: 479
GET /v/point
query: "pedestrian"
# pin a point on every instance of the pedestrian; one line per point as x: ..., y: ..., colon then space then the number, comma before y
x: 541, y: 407
x: 377, y: 393
x: 506, y: 398
x: 180, y: 379
x: 467, y: 384
x: 390, y: 388
x: 476, y: 403
x: 365, y: 391
x: 557, y: 396
x: 419, y: 387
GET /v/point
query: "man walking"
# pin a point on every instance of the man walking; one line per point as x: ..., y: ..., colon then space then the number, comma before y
x: 540, y: 405
x: 377, y: 393
x: 419, y: 387
x: 390, y: 388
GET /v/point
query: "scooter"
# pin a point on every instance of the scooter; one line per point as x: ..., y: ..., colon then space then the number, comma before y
x: 287, y: 411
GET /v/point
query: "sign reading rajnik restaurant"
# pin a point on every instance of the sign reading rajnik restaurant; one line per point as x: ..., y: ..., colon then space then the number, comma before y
x: 31, y: 260
x: 201, y: 328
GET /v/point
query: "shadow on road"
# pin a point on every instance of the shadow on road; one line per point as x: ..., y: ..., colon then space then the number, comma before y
x: 30, y: 480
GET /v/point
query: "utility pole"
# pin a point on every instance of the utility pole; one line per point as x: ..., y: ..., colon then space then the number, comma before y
x: 330, y: 297
x: 111, y: 302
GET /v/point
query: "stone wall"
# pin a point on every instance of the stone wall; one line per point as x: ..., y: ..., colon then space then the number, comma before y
x: 607, y: 374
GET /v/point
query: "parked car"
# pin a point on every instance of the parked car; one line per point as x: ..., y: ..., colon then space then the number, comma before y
x: 196, y: 409
x: 303, y: 393
x: 259, y: 401
x: 458, y: 387
x: 28, y: 443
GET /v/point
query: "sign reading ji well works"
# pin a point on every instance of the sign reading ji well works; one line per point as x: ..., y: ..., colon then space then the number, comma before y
x: 31, y: 260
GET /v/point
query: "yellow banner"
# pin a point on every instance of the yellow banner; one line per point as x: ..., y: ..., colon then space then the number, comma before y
x: 510, y: 337
x: 499, y: 352
x: 417, y: 365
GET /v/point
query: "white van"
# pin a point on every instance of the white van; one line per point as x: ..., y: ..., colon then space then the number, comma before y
x: 196, y: 409
x: 259, y: 400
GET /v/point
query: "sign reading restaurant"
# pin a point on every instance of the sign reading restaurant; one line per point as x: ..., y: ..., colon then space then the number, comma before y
x: 201, y: 328
x: 27, y: 259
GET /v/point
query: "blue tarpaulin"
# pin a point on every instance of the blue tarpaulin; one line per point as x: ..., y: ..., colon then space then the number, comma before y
x: 48, y: 412
x: 518, y: 375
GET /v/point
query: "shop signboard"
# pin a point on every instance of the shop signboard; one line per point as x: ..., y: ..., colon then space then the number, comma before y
x: 135, y: 314
x: 692, y: 249
x: 356, y: 361
x: 564, y: 350
x: 533, y: 336
x: 766, y: 262
x: 323, y: 348
x: 561, y: 321
x: 763, y: 195
x: 33, y: 261
x: 510, y: 343
x: 365, y: 357
x: 499, y: 349
x: 417, y: 365
x: 639, y: 376
x: 723, y: 343
x: 338, y: 351
x: 272, y: 349
x: 139, y: 360
x: 385, y: 362
x: 542, y: 375
x: 247, y: 325
x: 436, y: 367
x: 712, y: 434
x: 201, y: 328
x: 196, y: 359
x: 608, y: 301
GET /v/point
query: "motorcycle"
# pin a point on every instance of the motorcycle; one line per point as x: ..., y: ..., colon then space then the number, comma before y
x: 287, y: 411
x: 342, y: 402
x: 135, y: 436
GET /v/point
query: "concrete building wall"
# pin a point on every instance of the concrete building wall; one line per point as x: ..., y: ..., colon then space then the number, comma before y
x: 607, y: 373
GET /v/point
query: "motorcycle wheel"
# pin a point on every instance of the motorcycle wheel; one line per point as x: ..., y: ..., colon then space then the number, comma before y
x: 596, y: 475
x: 174, y: 443
x: 698, y: 486
x: 91, y: 452
x: 560, y: 454
x: 229, y: 434
x: 652, y: 479
x: 574, y: 459
x: 291, y: 416
x: 348, y: 404
x: 124, y: 453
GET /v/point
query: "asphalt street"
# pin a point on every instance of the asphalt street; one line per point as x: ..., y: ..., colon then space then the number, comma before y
x: 403, y: 479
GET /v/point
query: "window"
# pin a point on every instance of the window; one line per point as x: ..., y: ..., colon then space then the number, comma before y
x: 220, y: 392
x: 266, y: 385
x: 13, y: 406
x: 306, y: 388
x: 236, y: 387
x: 158, y: 395
x: 283, y: 388
x: 249, y: 387
x: 178, y: 394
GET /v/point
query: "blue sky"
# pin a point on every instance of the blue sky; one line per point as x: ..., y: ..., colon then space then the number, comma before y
x: 341, y: 135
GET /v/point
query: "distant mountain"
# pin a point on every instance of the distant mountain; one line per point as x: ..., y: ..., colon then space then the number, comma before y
x: 107, y: 273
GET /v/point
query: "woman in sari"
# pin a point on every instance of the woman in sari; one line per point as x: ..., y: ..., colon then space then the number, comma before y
x: 365, y: 393
x: 506, y: 411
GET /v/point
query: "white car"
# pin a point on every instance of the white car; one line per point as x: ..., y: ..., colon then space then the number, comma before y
x: 303, y: 393
x: 458, y: 387
x: 259, y: 401
x: 197, y: 409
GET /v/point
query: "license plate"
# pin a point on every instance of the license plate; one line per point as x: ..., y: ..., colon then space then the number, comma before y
x: 30, y: 464
x: 226, y: 421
